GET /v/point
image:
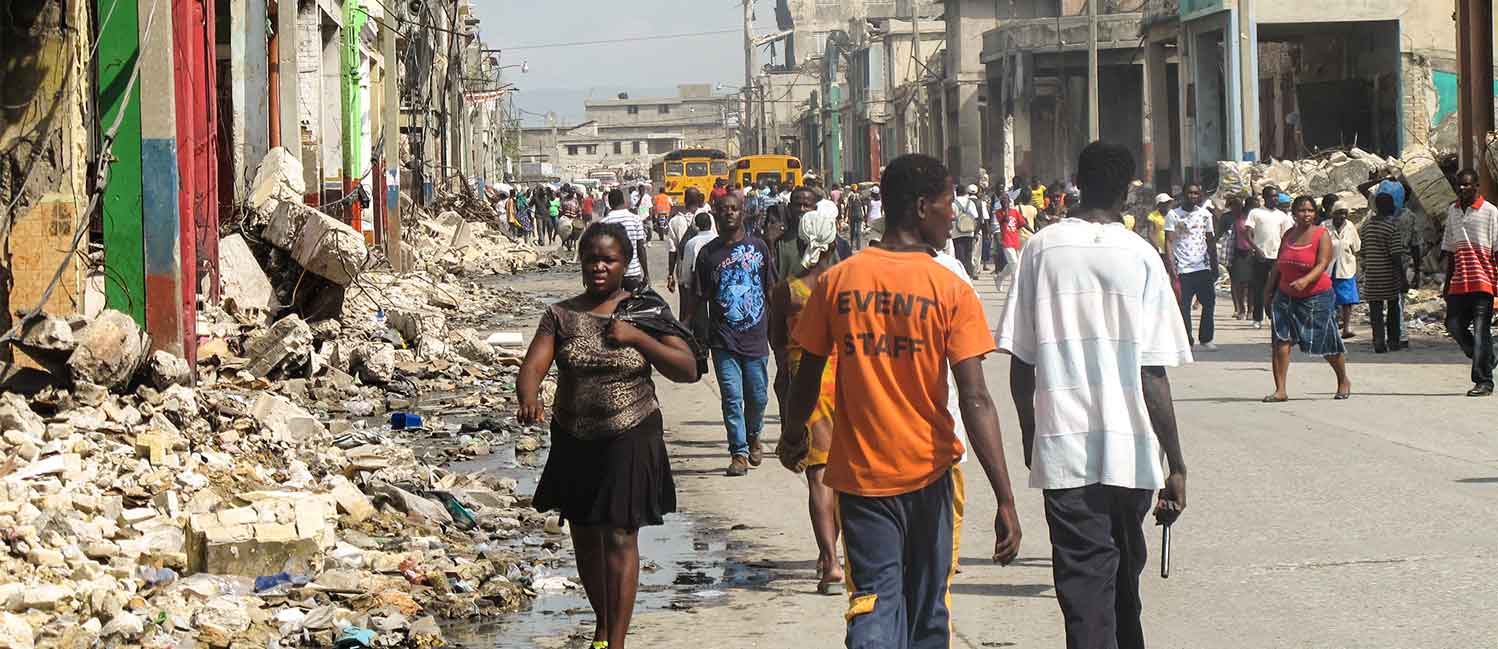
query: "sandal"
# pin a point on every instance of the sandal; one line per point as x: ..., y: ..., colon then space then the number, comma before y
x: 829, y: 587
x: 1273, y: 399
x: 1342, y: 396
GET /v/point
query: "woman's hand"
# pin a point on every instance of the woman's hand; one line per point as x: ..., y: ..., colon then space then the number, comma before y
x: 1300, y: 285
x: 624, y: 334
x: 531, y: 411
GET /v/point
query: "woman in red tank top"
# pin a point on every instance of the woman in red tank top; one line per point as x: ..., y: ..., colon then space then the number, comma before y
x: 1303, y: 307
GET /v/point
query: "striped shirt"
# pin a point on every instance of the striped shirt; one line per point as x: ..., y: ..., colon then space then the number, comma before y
x: 1383, y: 254
x: 636, y: 232
x: 1470, y: 238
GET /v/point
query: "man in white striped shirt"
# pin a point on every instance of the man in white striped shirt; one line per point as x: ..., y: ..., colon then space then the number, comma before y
x: 635, y: 276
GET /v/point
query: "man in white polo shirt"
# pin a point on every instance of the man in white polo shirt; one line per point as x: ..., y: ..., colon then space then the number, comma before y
x: 1091, y: 324
x: 1191, y: 251
x: 1265, y: 226
x: 634, y: 276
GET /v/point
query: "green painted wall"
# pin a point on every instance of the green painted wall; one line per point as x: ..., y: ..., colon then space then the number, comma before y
x: 124, y: 242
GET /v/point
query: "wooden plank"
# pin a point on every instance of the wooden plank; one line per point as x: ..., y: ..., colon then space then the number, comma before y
x: 124, y: 250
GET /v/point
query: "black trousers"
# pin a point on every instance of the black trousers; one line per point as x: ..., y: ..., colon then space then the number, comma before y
x: 1256, y: 287
x: 1385, y: 316
x: 963, y: 248
x: 1199, y: 285
x: 1473, y: 311
x: 1097, y: 555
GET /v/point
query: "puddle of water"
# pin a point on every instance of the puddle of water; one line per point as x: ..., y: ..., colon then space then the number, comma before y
x: 681, y: 567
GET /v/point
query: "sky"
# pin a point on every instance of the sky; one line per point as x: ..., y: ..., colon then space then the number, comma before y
x: 559, y: 78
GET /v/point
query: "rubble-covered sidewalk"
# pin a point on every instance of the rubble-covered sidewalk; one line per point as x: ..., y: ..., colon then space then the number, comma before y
x: 263, y: 497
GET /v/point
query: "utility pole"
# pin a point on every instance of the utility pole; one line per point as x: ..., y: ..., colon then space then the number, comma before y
x: 1093, y: 130
x: 749, y: 71
x: 1474, y: 31
x: 915, y: 52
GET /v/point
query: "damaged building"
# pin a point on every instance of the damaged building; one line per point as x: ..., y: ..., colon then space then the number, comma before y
x: 1188, y: 83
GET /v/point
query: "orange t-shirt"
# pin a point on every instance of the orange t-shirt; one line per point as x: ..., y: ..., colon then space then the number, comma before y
x: 897, y: 320
x: 662, y: 202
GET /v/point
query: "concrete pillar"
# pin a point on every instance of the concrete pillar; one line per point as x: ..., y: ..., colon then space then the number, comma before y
x: 330, y: 130
x: 290, y: 118
x: 1248, y: 85
x: 159, y: 184
x: 119, y: 103
x: 390, y: 147
x: 248, y: 72
x: 1474, y: 26
x: 1156, y: 115
x: 185, y: 34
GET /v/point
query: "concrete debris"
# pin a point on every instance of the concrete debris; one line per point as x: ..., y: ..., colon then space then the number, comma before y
x: 166, y: 369
x: 244, y: 285
x: 240, y: 509
x: 331, y: 249
x: 109, y: 351
x: 49, y: 333
x: 286, y: 345
x: 279, y: 178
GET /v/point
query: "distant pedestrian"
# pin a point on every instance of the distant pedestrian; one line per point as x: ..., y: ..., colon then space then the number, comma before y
x: 608, y: 473
x: 894, y: 453
x: 1011, y: 223
x: 676, y: 237
x: 1091, y: 325
x: 1266, y: 227
x: 637, y: 276
x: 662, y: 223
x: 1304, y: 305
x: 734, y: 274
x: 693, y: 311
x: 1383, y: 260
x: 1241, y: 257
x: 1154, y: 225
x: 1469, y: 242
x: 1192, y: 251
x: 1345, y: 244
x: 969, y: 213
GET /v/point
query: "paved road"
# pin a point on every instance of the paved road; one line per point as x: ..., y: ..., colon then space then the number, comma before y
x: 1312, y: 523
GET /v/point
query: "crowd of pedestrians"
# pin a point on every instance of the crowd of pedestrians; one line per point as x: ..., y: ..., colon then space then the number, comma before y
x: 863, y: 296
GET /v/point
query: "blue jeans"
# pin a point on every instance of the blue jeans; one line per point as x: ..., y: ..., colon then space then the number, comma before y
x: 744, y: 382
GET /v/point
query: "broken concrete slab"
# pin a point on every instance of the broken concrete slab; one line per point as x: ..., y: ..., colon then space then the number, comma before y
x: 331, y: 249
x: 352, y: 501
x: 374, y: 363
x: 48, y: 333
x: 17, y: 415
x: 287, y: 343
x: 285, y: 219
x: 471, y: 346
x: 286, y: 420
x: 165, y: 369
x: 279, y: 177
x: 243, y: 284
x: 109, y: 350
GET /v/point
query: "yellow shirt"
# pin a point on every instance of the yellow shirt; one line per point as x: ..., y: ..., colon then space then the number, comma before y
x: 1037, y: 197
x: 1157, y: 231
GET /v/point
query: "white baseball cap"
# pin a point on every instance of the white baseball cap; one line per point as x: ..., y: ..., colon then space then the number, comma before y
x: 972, y: 189
x: 1163, y: 198
x: 875, y: 190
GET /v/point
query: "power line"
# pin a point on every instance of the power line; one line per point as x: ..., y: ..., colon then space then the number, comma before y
x: 630, y: 39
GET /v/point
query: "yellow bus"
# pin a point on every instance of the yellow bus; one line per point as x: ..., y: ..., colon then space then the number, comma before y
x: 683, y: 168
x: 756, y: 170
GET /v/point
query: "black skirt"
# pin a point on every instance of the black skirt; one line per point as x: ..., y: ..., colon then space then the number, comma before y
x: 622, y: 481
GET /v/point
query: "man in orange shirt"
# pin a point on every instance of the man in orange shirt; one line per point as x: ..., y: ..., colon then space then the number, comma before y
x: 662, y: 213
x: 898, y: 319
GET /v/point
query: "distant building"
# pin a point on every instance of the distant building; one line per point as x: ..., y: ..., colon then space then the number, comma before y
x: 625, y: 134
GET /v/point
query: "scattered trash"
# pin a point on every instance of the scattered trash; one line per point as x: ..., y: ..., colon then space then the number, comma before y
x: 404, y: 420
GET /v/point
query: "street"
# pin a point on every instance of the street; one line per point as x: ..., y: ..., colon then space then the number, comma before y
x: 1312, y: 523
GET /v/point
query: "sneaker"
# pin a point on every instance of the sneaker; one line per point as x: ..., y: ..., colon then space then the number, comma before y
x: 1481, y: 390
x: 756, y: 451
x: 1209, y: 347
x: 738, y: 467
x: 1258, y: 324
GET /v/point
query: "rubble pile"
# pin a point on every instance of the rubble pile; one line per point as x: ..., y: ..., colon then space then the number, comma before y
x: 1337, y: 173
x: 289, y: 490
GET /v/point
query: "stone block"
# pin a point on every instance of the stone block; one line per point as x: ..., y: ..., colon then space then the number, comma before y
x: 375, y: 363
x: 17, y: 415
x: 154, y: 446
x: 243, y: 283
x: 285, y: 219
x: 15, y: 632
x: 109, y: 350
x: 473, y: 347
x: 330, y: 248
x: 353, y: 502
x: 45, y: 597
x: 286, y: 420
x: 279, y: 176
x: 287, y: 342
x: 462, y: 234
x: 49, y: 333
x: 165, y: 369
